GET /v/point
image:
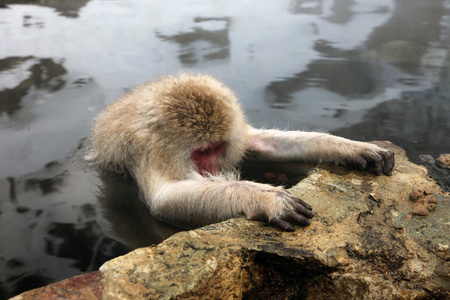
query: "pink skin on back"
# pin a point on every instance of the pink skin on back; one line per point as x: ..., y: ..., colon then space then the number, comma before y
x: 206, y: 158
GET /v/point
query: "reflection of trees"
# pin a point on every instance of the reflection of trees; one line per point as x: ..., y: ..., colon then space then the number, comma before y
x: 218, y: 42
x: 47, y: 185
x: 84, y: 243
x: 46, y: 247
x: 66, y: 8
x: 43, y: 74
x: 345, y: 77
x: 48, y: 180
x: 306, y: 7
x: 404, y: 37
x: 419, y: 121
x: 413, y: 21
x: 341, y: 9
x: 342, y: 12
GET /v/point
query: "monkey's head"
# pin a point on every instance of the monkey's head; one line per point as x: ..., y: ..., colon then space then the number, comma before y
x: 200, y: 119
x: 175, y: 124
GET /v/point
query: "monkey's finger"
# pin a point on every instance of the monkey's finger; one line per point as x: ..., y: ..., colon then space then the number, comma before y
x: 297, y: 219
x: 282, y: 224
x: 389, y: 162
x: 357, y: 162
x: 378, y: 162
x: 303, y: 210
x: 300, y: 201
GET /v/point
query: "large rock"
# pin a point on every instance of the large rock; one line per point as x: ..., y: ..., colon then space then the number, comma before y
x: 373, y: 237
x: 364, y: 243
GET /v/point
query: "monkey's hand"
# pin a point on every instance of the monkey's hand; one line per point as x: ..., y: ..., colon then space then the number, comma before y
x: 282, y: 210
x: 368, y: 156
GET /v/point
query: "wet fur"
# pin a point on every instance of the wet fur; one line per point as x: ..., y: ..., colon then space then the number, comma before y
x: 150, y: 132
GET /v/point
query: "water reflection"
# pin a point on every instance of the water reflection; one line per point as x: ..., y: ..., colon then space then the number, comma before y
x: 206, y: 40
x: 126, y: 217
x: 349, y: 78
x: 364, y: 70
x: 65, y: 8
x: 401, y: 55
x: 419, y: 121
x: 414, y: 21
x: 339, y: 12
x: 36, y: 94
x: 20, y: 74
x: 306, y: 7
x: 28, y: 211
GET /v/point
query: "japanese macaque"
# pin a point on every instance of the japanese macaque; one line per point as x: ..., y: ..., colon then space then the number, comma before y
x: 182, y: 140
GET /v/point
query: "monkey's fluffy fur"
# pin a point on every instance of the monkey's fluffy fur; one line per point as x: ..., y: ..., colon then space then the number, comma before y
x: 161, y: 121
x: 153, y: 131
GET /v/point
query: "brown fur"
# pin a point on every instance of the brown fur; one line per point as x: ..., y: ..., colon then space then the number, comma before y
x: 152, y: 130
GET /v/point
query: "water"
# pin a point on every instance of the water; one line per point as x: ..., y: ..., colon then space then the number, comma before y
x: 365, y: 70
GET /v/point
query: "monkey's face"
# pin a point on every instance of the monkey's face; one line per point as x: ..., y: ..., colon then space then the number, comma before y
x: 206, y: 158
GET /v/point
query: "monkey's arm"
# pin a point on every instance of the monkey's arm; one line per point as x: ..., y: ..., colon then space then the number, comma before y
x: 205, y: 200
x: 317, y: 147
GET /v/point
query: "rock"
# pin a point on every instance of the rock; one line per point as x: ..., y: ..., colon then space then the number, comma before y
x: 88, y: 286
x: 363, y: 243
x: 444, y: 159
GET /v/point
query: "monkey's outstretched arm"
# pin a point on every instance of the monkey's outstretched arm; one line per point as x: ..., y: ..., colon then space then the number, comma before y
x: 317, y: 147
x: 205, y: 200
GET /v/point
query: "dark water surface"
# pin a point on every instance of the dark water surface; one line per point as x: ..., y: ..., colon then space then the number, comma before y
x: 361, y: 69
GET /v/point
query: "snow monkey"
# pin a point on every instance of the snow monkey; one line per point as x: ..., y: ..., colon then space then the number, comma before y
x: 182, y: 139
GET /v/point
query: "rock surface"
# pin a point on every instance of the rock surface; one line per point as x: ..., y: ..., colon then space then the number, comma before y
x: 444, y: 159
x: 364, y: 243
x: 88, y: 286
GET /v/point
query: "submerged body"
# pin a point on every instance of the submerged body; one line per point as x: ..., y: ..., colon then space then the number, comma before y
x: 182, y: 138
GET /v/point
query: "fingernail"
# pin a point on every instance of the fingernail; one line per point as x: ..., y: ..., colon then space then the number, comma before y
x: 289, y: 228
